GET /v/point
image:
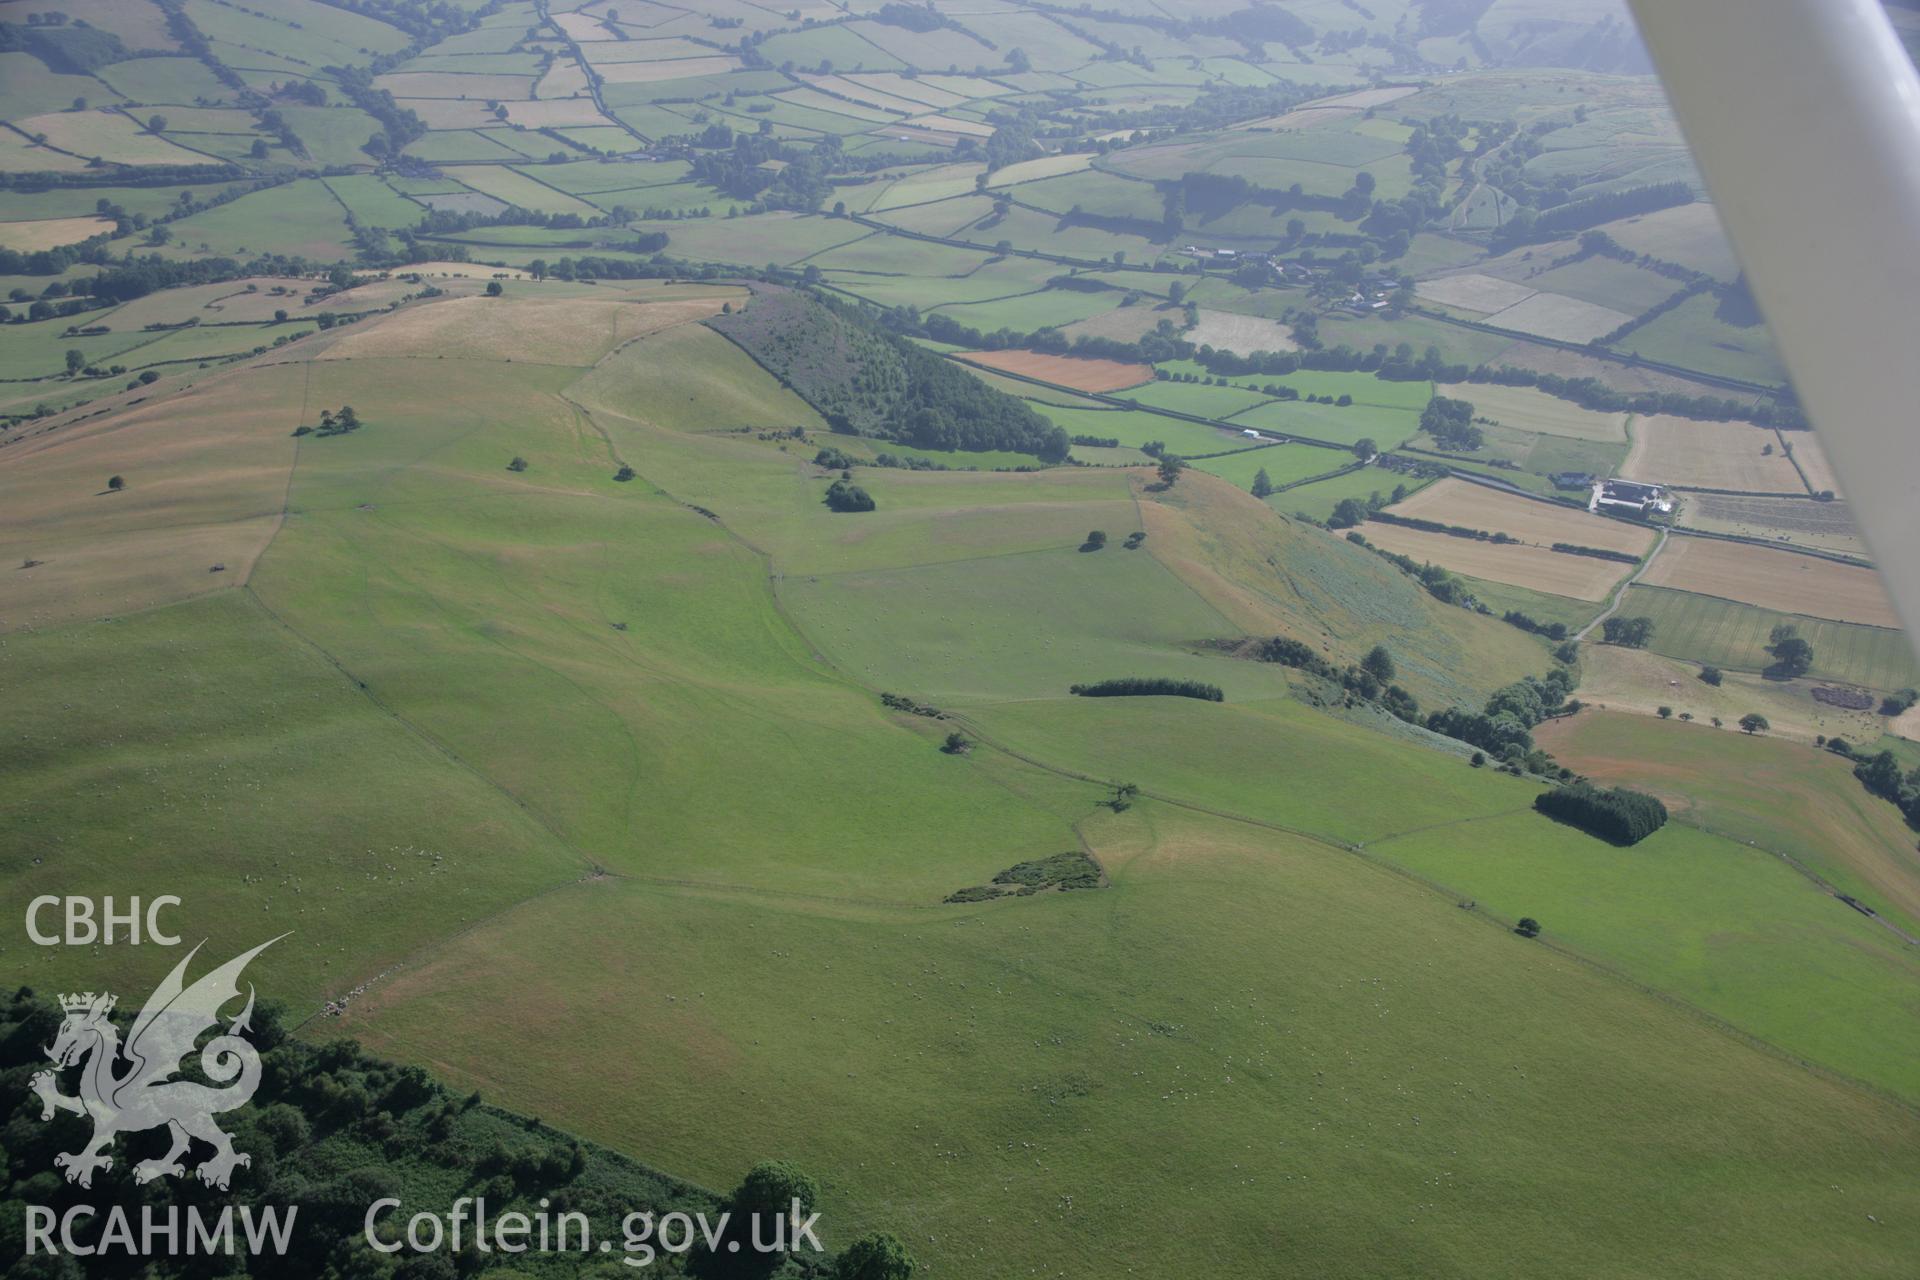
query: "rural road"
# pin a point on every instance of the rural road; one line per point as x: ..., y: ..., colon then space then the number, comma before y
x: 1620, y: 592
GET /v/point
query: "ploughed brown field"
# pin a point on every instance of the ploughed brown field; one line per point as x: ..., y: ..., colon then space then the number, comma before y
x: 1065, y: 371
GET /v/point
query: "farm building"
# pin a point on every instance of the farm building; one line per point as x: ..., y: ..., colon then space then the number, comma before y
x: 1627, y: 495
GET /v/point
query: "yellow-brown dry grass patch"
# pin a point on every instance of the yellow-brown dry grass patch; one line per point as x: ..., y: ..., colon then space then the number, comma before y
x: 560, y: 331
x: 1782, y: 580
x: 1711, y: 455
x: 206, y: 473
x: 1617, y: 679
x: 50, y: 233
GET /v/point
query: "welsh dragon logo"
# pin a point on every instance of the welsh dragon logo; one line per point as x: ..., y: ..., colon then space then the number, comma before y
x: 142, y: 1094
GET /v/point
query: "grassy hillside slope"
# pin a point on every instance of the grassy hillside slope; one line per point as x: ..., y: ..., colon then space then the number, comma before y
x: 700, y: 868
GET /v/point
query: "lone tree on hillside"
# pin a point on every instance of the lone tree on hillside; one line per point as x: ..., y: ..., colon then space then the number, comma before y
x: 1754, y: 722
x: 1792, y: 656
x: 1364, y: 448
x: 1710, y: 675
x: 76, y: 361
x: 1262, y: 483
x: 518, y: 464
x: 1379, y: 664
x: 1122, y: 798
x: 493, y: 289
x: 877, y: 1256
x: 957, y: 744
x: 1171, y: 465
x: 1095, y: 540
x: 845, y: 495
x: 624, y: 474
x: 1528, y: 927
x: 115, y: 484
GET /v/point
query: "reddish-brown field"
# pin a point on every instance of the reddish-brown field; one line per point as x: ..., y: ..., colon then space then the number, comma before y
x: 1064, y: 371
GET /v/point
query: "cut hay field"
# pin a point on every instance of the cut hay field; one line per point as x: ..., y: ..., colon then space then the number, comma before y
x: 50, y: 233
x: 1761, y: 790
x: 1713, y: 455
x: 1779, y: 580
x: 1527, y: 409
x: 1557, y: 316
x: 1474, y: 292
x: 1518, y: 564
x: 1243, y: 335
x: 1473, y: 506
x: 1067, y: 371
x: 1723, y: 633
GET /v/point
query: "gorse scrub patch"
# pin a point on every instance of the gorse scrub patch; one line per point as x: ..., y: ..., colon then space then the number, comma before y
x: 1149, y: 687
x: 1063, y: 871
x: 1617, y: 814
x: 866, y: 381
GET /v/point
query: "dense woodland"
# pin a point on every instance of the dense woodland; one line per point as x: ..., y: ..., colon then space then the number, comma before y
x: 866, y: 381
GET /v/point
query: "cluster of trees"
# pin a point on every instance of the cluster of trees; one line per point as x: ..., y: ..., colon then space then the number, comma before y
x: 74, y: 49
x: 1371, y: 678
x: 1149, y: 687
x: 1526, y: 622
x: 737, y: 164
x: 1883, y: 776
x: 399, y: 125
x: 333, y: 424
x: 866, y: 381
x: 844, y: 495
x: 1503, y: 728
x: 1628, y: 633
x: 332, y: 1128
x: 1617, y: 814
x: 1450, y: 423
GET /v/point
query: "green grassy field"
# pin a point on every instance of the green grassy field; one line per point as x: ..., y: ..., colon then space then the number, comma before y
x: 1726, y: 634
x: 576, y: 776
x: 1782, y: 796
